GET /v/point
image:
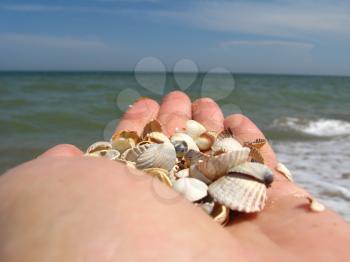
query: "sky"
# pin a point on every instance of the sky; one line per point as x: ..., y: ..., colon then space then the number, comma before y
x: 271, y: 36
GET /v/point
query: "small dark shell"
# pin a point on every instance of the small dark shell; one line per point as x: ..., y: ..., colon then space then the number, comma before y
x: 181, y: 148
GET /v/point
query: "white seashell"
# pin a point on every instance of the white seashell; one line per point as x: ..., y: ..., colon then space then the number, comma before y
x: 217, y: 166
x: 284, y: 171
x: 110, y: 154
x: 315, y: 206
x: 157, y: 155
x: 97, y: 146
x: 239, y: 193
x: 205, y: 141
x: 191, y: 145
x: 194, y: 129
x: 225, y: 142
x: 183, y: 173
x: 156, y: 137
x: 195, y: 173
x: 221, y: 214
x: 133, y: 153
x: 255, y: 170
x: 191, y: 188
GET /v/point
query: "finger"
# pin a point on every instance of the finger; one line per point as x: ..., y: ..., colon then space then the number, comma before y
x: 208, y: 113
x: 174, y: 111
x: 62, y: 150
x: 140, y: 113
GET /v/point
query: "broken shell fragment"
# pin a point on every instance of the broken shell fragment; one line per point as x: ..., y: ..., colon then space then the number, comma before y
x: 124, y: 140
x: 156, y: 137
x: 110, y: 154
x: 221, y: 214
x: 315, y: 206
x: 205, y: 141
x: 255, y: 170
x: 161, y: 174
x: 226, y: 142
x: 152, y: 126
x: 239, y: 193
x: 182, y: 137
x: 98, y: 146
x: 157, y: 155
x: 194, y: 129
x: 284, y: 171
x: 191, y: 188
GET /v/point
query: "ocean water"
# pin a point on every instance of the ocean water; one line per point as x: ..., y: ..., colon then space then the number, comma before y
x: 306, y: 118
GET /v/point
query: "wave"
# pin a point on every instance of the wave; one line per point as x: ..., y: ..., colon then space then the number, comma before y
x: 321, y: 127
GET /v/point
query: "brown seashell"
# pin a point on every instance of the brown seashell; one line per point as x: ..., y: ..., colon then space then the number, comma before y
x: 226, y: 142
x: 98, y: 146
x: 152, y: 126
x: 284, y: 171
x: 161, y: 174
x: 156, y: 137
x: 205, y: 141
x: 221, y: 214
x: 255, y: 170
x: 110, y: 154
x: 194, y: 129
x: 257, y: 143
x: 239, y: 193
x: 157, y: 155
x: 256, y: 156
x: 124, y: 140
x: 192, y: 157
x: 133, y: 153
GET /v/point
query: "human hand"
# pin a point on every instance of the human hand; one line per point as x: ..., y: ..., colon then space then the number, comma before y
x: 69, y: 208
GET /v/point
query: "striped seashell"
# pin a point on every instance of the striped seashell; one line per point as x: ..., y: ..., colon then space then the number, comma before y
x: 194, y: 129
x: 157, y: 155
x: 255, y: 170
x: 133, y: 153
x: 239, y: 193
x: 191, y: 188
x: 226, y: 142
x: 98, y: 146
x: 284, y: 171
x: 191, y: 145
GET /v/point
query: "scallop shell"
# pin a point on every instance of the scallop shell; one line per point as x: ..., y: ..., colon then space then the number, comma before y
x: 226, y: 142
x: 284, y: 171
x: 157, y: 155
x: 191, y: 145
x: 156, y: 137
x: 97, y: 146
x: 161, y: 174
x: 205, y: 141
x: 133, y: 153
x: 217, y: 166
x: 191, y: 188
x: 194, y: 129
x: 110, y: 154
x: 255, y: 170
x: 124, y: 140
x: 239, y: 193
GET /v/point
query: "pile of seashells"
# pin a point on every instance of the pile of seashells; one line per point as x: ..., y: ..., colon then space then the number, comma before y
x: 214, y: 171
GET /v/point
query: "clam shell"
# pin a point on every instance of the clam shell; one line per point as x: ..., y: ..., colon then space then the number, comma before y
x: 284, y: 171
x: 217, y: 166
x: 226, y: 142
x: 191, y: 145
x: 97, y: 146
x: 191, y: 188
x: 133, y: 153
x: 124, y: 140
x: 157, y: 155
x: 205, y: 141
x: 161, y: 174
x: 255, y: 170
x: 156, y: 137
x: 194, y: 129
x: 110, y: 154
x: 239, y: 193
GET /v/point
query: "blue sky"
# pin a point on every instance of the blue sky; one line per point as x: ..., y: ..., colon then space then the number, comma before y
x: 278, y: 36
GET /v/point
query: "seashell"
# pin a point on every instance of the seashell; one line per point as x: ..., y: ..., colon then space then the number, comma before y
x: 125, y: 162
x: 191, y: 145
x: 255, y: 170
x: 110, y: 154
x: 157, y: 155
x: 124, y: 140
x: 315, y: 206
x: 172, y: 173
x: 239, y: 193
x: 221, y: 214
x: 156, y: 137
x: 226, y: 142
x: 191, y: 188
x: 205, y: 141
x: 208, y: 207
x: 183, y: 173
x: 193, y: 157
x: 257, y: 143
x: 161, y: 174
x: 284, y: 171
x: 133, y: 153
x: 194, y: 129
x: 180, y: 147
x: 217, y: 166
x: 195, y: 173
x: 152, y: 126
x: 97, y: 146
x: 256, y: 156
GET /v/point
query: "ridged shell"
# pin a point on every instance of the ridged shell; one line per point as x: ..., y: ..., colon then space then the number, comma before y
x: 133, y: 153
x: 217, y: 166
x: 97, y: 146
x: 194, y: 129
x: 239, y: 193
x: 188, y: 140
x: 225, y: 142
x: 255, y: 170
x: 205, y: 141
x: 161, y: 174
x: 191, y: 188
x: 156, y: 137
x: 110, y: 154
x: 157, y: 155
x: 195, y: 173
x: 284, y: 171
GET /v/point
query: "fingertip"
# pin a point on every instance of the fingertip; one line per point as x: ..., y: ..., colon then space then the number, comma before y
x: 66, y: 150
x: 177, y: 95
x: 206, y: 111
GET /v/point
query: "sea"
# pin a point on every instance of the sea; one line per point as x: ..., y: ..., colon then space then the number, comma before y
x: 306, y: 118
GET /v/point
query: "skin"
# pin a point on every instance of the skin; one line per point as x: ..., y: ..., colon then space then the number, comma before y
x: 65, y: 207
